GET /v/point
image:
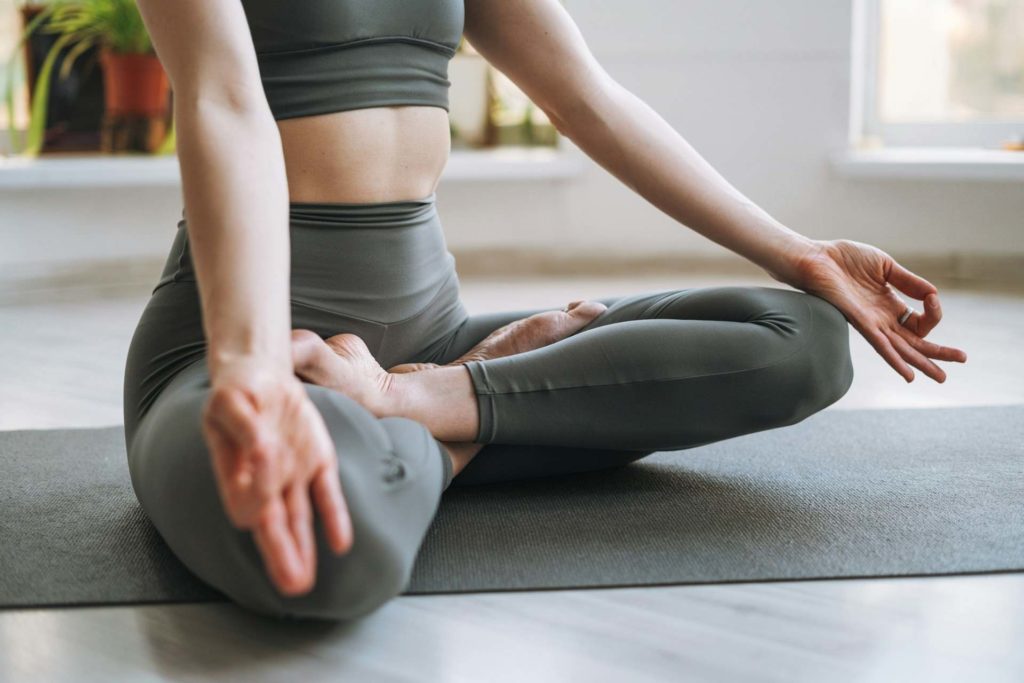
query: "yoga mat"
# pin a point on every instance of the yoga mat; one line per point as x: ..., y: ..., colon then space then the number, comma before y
x: 844, y: 493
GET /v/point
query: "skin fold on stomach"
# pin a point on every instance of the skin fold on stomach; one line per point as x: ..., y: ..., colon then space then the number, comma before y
x: 378, y: 154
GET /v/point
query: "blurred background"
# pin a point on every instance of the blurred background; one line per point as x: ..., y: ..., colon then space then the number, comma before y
x: 885, y: 121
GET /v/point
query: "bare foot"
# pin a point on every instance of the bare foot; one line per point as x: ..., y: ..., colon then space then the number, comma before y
x: 342, y: 362
x: 533, y: 332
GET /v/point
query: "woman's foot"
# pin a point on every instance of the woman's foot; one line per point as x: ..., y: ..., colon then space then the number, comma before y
x: 527, y: 334
x: 533, y: 332
x: 442, y: 399
x: 344, y: 363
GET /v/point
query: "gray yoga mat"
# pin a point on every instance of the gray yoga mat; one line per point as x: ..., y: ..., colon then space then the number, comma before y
x: 845, y: 493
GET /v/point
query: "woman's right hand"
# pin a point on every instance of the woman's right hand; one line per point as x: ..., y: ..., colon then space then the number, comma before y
x: 271, y: 455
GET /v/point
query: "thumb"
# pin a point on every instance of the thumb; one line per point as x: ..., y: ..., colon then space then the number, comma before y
x: 909, y: 283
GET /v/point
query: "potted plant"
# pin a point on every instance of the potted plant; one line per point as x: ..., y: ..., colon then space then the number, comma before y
x: 74, y: 108
x: 136, y: 88
x: 33, y: 15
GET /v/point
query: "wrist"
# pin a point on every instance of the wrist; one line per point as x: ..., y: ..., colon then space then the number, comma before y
x: 259, y: 344
x: 223, y: 362
x: 792, y: 256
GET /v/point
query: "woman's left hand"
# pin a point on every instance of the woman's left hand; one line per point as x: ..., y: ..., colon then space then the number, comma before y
x: 858, y: 279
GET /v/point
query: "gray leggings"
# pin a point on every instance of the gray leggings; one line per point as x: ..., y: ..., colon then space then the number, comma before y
x: 664, y: 370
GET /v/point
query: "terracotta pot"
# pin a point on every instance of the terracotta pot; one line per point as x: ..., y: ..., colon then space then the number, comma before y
x: 134, y: 84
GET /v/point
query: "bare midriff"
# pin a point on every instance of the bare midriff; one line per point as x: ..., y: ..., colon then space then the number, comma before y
x: 378, y: 154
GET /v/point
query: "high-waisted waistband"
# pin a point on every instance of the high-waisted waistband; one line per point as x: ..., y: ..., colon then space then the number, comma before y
x: 381, y: 261
x: 378, y: 215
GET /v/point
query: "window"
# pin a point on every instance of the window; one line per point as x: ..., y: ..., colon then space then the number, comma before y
x: 938, y: 73
x: 10, y: 27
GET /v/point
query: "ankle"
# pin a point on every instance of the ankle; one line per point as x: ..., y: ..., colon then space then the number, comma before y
x: 396, y: 395
x: 460, y: 453
x: 441, y: 399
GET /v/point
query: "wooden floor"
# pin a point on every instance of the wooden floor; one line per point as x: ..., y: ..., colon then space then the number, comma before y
x: 61, y: 365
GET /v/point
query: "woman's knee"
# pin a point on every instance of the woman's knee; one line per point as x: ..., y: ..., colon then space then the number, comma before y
x: 390, y: 483
x: 391, y: 489
x: 832, y: 365
x: 820, y: 370
x: 349, y: 586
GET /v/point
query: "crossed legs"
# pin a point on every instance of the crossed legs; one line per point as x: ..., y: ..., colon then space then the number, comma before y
x: 657, y: 371
x: 665, y: 370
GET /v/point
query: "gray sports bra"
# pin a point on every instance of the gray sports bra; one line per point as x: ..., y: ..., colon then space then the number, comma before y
x: 320, y: 56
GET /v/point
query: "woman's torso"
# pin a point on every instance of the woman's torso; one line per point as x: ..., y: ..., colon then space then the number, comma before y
x: 375, y: 154
x: 359, y: 90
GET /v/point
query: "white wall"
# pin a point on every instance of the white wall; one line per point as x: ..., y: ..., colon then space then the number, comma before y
x: 760, y: 88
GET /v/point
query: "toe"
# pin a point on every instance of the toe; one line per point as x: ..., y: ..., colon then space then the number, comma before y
x: 553, y: 326
x: 305, y: 345
x: 348, y: 344
x: 585, y: 311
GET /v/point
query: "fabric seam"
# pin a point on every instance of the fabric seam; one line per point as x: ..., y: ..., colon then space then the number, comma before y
x: 421, y: 42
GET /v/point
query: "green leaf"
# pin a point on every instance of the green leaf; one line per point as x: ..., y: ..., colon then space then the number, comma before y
x: 69, y: 59
x: 40, y: 98
x: 116, y: 24
x: 12, y: 62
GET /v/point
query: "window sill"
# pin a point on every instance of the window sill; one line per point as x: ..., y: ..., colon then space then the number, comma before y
x: 98, y: 170
x: 930, y: 163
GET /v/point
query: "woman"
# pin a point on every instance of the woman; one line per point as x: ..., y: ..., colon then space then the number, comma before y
x: 275, y: 454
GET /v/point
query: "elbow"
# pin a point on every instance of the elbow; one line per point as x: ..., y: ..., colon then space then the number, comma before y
x: 236, y: 99
x: 582, y: 107
x: 222, y: 116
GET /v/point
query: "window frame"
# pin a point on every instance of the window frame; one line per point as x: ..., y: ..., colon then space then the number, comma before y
x: 867, y: 129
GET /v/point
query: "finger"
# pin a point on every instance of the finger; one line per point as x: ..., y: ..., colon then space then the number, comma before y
x: 300, y: 520
x: 330, y: 503
x: 224, y: 457
x: 909, y: 283
x: 277, y: 547
x: 923, y: 323
x: 917, y: 359
x: 246, y: 480
x: 885, y: 349
x: 229, y: 410
x: 233, y: 412
x: 223, y: 451
x: 932, y: 350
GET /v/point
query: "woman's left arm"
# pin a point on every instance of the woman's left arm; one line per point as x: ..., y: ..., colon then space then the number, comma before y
x: 538, y: 45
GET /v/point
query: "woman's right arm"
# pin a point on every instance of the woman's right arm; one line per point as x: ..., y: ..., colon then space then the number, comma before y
x: 270, y: 447
x: 233, y: 178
